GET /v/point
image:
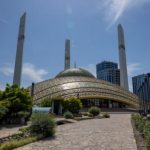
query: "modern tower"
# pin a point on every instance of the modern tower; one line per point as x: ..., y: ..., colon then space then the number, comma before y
x: 19, y: 53
x: 122, y: 59
x: 67, y: 54
x: 141, y: 87
x: 108, y: 71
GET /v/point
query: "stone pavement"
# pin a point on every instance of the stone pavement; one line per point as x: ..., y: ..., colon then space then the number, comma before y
x: 115, y: 133
x: 9, y: 130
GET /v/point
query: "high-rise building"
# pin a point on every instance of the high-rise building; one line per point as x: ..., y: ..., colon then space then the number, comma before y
x: 122, y: 59
x: 108, y: 71
x: 19, y: 53
x: 141, y: 87
x: 67, y: 54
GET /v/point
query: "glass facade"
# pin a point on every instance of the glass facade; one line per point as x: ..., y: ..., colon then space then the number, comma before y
x: 102, y: 103
x: 141, y: 87
x: 108, y: 71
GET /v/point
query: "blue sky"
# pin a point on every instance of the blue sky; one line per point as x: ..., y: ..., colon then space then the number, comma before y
x: 91, y: 25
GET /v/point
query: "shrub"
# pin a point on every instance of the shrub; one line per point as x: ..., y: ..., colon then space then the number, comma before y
x: 95, y: 111
x: 143, y: 126
x: 147, y: 138
x: 106, y: 115
x: 146, y: 128
x: 68, y: 115
x: 90, y: 115
x: 73, y: 105
x: 85, y: 113
x: 24, y: 114
x: 46, y: 103
x: 3, y: 111
x: 25, y: 130
x: 43, y: 123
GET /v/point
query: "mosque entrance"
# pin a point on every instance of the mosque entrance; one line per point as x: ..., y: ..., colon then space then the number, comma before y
x: 56, y: 107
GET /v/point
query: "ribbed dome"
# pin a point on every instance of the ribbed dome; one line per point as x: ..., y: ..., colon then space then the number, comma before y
x: 75, y: 72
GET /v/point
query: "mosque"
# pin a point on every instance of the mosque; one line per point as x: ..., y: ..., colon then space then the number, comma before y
x: 78, y: 82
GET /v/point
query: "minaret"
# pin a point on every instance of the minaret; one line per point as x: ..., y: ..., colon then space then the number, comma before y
x: 19, y: 53
x: 67, y: 54
x: 122, y: 59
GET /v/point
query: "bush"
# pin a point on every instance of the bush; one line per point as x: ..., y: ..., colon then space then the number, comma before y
x: 106, y: 115
x: 3, y: 111
x: 146, y: 128
x: 46, y: 103
x: 85, y: 113
x: 42, y: 123
x: 147, y: 139
x: 143, y: 126
x: 139, y: 122
x: 68, y: 115
x: 95, y: 111
x: 24, y: 114
x: 73, y: 105
x: 90, y: 115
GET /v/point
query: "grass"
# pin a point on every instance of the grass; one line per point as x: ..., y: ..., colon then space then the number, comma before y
x: 17, y: 143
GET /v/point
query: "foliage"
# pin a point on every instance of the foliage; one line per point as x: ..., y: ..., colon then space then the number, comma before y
x: 143, y: 126
x: 3, y: 111
x: 90, y: 115
x: 106, y: 115
x: 46, y: 103
x: 42, y: 123
x: 95, y: 111
x: 72, y: 104
x: 68, y: 115
x: 85, y: 113
x: 19, y: 142
x: 23, y: 114
x: 25, y: 130
x: 139, y: 122
x: 16, y: 99
x: 146, y: 128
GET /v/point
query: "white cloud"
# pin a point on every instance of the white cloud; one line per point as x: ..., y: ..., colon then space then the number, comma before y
x: 6, y: 70
x: 29, y: 73
x: 32, y: 73
x: 114, y: 9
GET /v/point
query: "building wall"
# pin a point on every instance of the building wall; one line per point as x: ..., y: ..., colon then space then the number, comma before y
x: 141, y: 87
x: 108, y: 71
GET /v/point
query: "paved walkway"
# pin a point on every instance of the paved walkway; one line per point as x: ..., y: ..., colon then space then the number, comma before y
x: 9, y: 130
x: 98, y: 134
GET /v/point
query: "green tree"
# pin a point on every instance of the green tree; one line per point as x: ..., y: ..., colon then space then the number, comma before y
x: 16, y: 99
x: 3, y: 111
x: 46, y: 102
x: 72, y: 104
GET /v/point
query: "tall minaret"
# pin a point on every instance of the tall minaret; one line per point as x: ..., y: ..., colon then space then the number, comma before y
x: 19, y: 53
x: 67, y: 54
x: 122, y: 59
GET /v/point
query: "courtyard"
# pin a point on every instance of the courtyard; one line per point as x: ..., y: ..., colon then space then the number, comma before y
x: 114, y: 133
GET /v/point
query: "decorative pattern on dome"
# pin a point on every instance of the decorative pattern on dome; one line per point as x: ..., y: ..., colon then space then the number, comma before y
x: 75, y: 72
